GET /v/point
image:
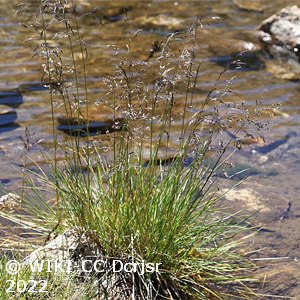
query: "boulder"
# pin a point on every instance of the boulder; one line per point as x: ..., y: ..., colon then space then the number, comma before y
x: 279, y: 36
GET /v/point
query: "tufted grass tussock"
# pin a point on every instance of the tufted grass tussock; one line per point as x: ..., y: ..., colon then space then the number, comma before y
x: 145, y: 191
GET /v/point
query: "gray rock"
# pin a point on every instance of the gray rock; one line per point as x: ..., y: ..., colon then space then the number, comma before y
x: 60, y: 248
x: 280, y: 38
x: 73, y: 246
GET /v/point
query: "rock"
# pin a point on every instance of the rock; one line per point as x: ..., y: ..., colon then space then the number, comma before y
x: 161, y: 21
x: 100, y: 119
x: 249, y: 197
x: 253, y: 5
x: 72, y: 250
x: 105, y: 12
x: 10, y: 201
x: 230, y: 46
x: 84, y: 127
x: 280, y: 38
x: 60, y: 248
x: 282, y: 70
x: 229, y: 50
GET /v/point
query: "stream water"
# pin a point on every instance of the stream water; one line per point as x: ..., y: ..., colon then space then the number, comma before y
x: 274, y: 187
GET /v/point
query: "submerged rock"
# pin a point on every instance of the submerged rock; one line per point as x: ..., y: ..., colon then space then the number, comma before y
x: 229, y: 46
x: 249, y: 197
x: 105, y: 12
x: 84, y: 127
x: 161, y: 21
x: 282, y: 70
x: 254, y: 5
x: 235, y: 53
x: 280, y: 38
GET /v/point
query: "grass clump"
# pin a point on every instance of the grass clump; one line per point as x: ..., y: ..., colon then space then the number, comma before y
x: 146, y: 190
x: 137, y: 214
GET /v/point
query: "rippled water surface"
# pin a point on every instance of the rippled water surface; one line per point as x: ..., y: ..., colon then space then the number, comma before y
x: 274, y: 186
